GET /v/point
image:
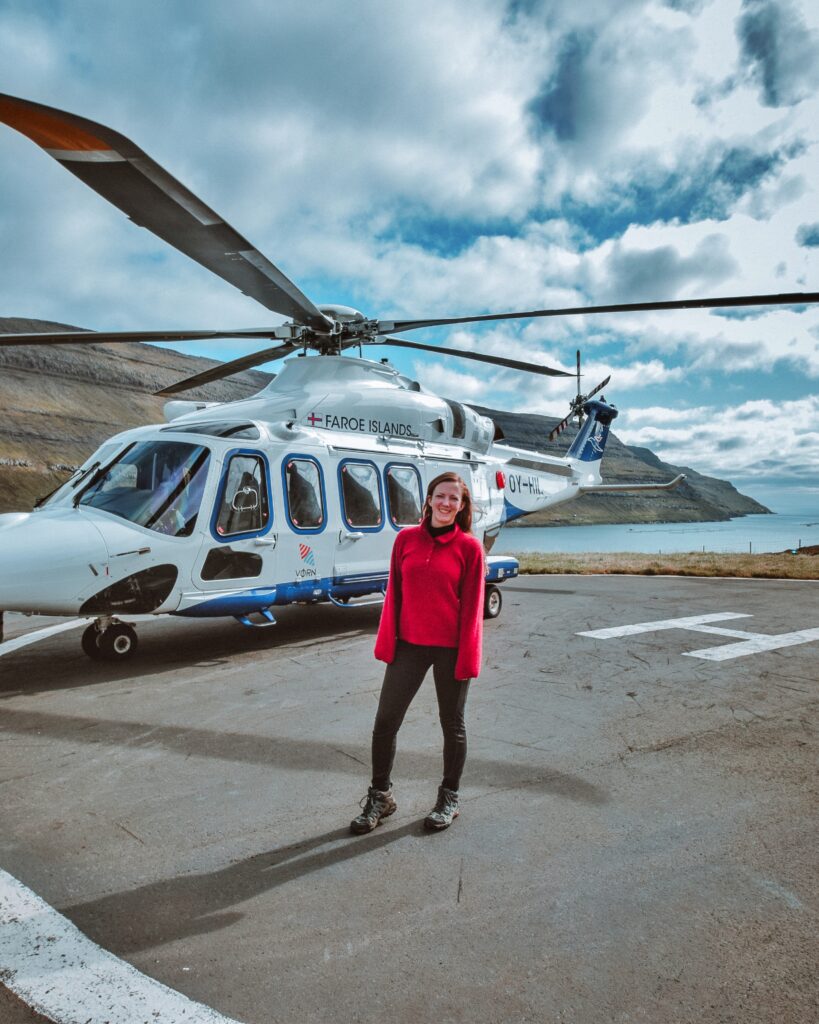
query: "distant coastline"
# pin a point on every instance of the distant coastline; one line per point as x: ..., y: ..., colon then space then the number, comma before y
x: 769, y: 533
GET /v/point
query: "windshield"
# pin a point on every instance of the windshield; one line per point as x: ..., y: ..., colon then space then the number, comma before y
x: 155, y: 484
x: 66, y: 490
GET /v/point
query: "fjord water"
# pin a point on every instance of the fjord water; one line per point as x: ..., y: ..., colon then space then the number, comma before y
x: 755, y: 534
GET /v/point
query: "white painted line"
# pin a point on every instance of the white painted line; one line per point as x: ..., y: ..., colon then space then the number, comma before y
x: 38, y: 634
x: 63, y: 975
x: 756, y: 645
x: 651, y: 627
x: 740, y: 634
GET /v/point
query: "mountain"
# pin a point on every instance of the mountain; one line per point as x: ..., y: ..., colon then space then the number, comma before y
x: 59, y: 402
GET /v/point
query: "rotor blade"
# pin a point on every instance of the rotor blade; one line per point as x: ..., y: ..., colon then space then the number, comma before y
x: 599, y: 387
x: 558, y: 430
x: 787, y: 299
x: 512, y: 364
x: 123, y: 174
x: 228, y: 369
x: 89, y: 337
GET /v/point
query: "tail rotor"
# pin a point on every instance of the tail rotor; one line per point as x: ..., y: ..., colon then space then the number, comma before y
x: 577, y: 403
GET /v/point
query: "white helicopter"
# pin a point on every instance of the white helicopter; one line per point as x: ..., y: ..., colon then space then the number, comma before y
x: 295, y: 494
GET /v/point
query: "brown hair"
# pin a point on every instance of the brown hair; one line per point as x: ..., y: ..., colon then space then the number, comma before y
x: 464, y: 516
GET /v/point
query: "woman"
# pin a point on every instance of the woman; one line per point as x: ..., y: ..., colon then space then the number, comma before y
x: 432, y: 617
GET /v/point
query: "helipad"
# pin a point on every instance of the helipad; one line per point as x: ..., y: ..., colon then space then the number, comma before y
x: 637, y: 839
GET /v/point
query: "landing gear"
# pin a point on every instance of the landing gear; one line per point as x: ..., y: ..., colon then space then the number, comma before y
x: 492, y: 602
x: 89, y: 642
x: 114, y: 641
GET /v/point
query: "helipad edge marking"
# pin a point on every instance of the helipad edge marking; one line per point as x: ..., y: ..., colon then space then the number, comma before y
x: 59, y: 972
x: 38, y: 634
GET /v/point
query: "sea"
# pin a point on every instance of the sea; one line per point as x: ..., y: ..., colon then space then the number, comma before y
x: 747, y: 534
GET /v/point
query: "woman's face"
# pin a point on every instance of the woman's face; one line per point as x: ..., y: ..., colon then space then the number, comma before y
x: 446, y: 502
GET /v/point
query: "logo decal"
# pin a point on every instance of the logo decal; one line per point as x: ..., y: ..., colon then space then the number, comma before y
x: 596, y: 439
x: 333, y: 421
x: 306, y: 554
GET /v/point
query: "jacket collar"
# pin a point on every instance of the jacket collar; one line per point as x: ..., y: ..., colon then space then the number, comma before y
x: 444, y: 538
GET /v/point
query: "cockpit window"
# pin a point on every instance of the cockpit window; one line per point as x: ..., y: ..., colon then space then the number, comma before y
x: 155, y: 484
x: 68, y: 489
x: 244, y: 506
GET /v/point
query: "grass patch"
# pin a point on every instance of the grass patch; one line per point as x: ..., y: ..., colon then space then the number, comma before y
x: 802, y: 566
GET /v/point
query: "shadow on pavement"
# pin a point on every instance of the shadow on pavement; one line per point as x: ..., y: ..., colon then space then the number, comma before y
x: 176, y: 908
x: 286, y: 752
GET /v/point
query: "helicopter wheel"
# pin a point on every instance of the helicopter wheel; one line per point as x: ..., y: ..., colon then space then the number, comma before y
x: 90, y: 642
x: 117, y: 643
x: 492, y: 602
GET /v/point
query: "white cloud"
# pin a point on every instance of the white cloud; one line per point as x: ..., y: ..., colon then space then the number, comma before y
x: 750, y: 441
x: 444, y: 159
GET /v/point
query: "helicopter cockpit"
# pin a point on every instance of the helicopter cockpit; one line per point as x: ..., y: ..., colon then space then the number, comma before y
x: 154, y: 484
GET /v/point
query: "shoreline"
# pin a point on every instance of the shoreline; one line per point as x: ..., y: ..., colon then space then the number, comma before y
x: 801, y: 566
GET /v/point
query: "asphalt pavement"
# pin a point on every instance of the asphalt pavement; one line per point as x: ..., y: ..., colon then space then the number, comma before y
x: 637, y: 839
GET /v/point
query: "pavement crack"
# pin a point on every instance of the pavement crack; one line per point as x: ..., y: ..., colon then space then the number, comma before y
x: 127, y: 831
x: 352, y: 757
x: 796, y: 689
x: 460, y: 882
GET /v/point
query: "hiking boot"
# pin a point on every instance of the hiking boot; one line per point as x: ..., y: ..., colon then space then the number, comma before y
x: 377, y: 804
x: 444, y: 812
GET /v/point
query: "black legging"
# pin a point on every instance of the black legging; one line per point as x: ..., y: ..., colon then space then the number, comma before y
x: 401, y: 682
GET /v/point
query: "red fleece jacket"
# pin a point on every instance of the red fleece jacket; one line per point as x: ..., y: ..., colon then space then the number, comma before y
x: 435, y: 596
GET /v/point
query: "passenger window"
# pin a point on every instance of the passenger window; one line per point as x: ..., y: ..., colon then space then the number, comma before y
x: 244, y: 506
x: 305, y: 501
x: 360, y: 495
x: 404, y: 495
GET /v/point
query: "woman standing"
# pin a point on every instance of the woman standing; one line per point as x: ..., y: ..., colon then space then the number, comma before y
x: 432, y: 617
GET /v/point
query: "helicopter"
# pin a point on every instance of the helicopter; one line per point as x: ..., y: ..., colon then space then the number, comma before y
x: 295, y: 494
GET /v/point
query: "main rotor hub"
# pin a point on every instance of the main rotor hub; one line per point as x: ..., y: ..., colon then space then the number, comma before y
x: 342, y: 315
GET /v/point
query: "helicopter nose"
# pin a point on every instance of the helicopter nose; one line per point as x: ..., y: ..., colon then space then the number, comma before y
x: 48, y: 560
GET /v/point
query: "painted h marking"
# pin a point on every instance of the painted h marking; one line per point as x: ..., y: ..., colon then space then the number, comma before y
x: 747, y: 643
x: 755, y: 643
x: 653, y: 627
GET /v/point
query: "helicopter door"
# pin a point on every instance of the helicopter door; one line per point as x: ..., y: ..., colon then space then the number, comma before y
x: 305, y: 543
x: 364, y: 545
x: 238, y: 551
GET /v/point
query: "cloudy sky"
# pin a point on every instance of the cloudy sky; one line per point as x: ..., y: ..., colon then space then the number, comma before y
x: 457, y: 157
